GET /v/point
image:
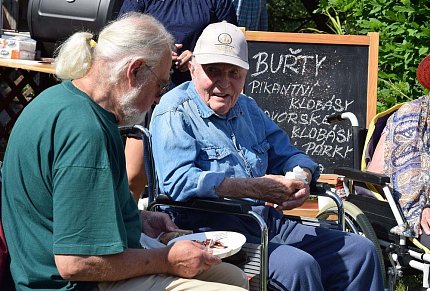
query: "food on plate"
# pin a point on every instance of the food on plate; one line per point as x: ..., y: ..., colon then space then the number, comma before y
x: 224, y: 243
x: 215, y: 245
x: 168, y: 236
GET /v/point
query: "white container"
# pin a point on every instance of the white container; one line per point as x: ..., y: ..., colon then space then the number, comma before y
x: 7, y: 53
x: 19, y: 43
x: 323, y: 201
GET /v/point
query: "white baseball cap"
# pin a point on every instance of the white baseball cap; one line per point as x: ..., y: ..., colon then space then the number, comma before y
x: 222, y: 42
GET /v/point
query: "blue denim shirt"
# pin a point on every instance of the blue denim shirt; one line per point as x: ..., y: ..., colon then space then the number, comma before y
x: 195, y: 149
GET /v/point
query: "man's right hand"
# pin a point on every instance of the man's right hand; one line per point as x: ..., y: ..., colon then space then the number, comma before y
x: 269, y: 188
x: 188, y: 259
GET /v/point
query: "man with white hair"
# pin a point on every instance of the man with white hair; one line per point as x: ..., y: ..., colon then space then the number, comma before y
x: 212, y: 141
x: 68, y: 216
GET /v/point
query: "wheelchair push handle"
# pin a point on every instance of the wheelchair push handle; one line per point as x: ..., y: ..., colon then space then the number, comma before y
x: 356, y: 131
x: 343, y: 116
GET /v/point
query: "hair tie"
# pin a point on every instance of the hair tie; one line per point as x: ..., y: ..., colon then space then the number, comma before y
x: 92, y: 43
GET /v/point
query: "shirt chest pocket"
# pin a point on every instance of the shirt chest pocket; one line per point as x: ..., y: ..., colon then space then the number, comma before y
x: 262, y: 147
x: 217, y: 159
x: 214, y: 153
x: 259, y: 158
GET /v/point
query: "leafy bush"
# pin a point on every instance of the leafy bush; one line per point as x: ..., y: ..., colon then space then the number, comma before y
x: 404, y: 32
x: 289, y: 16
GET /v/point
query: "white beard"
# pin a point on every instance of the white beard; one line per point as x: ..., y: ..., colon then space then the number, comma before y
x: 130, y: 113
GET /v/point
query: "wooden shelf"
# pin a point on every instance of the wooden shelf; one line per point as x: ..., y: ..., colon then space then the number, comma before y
x: 308, y: 209
x: 20, y: 82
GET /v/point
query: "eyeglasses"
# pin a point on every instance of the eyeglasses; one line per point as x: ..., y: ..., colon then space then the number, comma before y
x: 164, y: 86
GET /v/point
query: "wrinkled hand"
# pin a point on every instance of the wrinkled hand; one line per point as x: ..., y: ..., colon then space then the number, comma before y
x: 308, y: 175
x: 299, y: 197
x: 287, y: 193
x: 181, y: 61
x: 188, y: 259
x: 425, y: 221
x: 154, y: 223
x: 296, y: 199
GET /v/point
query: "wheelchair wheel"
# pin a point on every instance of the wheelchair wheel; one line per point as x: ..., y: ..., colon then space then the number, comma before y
x: 355, y: 222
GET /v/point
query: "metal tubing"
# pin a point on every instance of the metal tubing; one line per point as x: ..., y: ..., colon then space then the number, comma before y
x: 264, y: 251
x: 340, y: 209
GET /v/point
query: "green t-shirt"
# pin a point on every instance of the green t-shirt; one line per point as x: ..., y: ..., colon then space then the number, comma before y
x: 65, y: 187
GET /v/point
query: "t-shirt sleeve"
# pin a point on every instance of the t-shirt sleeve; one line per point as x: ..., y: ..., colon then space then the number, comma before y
x: 86, y: 217
x: 89, y: 192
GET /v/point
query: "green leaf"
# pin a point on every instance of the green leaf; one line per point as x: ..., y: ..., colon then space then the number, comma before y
x: 423, y: 51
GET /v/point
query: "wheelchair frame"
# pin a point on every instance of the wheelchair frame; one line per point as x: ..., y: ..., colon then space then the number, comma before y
x: 256, y: 267
x: 365, y: 215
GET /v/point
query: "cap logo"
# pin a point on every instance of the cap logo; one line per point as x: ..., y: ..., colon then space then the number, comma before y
x: 225, y: 39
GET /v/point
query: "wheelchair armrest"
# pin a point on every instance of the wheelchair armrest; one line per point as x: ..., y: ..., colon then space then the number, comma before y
x: 363, y: 176
x: 215, y: 205
x: 222, y: 205
x: 324, y: 189
x: 319, y: 188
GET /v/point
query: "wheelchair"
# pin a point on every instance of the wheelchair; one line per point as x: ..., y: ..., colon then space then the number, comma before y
x: 372, y: 211
x: 253, y: 258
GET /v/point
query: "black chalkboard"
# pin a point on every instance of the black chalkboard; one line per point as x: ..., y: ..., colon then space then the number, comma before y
x: 299, y: 84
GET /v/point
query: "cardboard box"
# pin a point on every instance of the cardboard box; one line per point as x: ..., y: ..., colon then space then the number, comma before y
x: 7, y: 53
x: 19, y: 43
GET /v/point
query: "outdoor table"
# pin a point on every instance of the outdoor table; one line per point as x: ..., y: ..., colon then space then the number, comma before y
x: 20, y: 82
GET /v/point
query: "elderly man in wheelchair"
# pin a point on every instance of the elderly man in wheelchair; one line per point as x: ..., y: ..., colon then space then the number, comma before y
x: 211, y: 141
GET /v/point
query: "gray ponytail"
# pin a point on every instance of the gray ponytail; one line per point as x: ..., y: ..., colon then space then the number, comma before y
x: 133, y: 35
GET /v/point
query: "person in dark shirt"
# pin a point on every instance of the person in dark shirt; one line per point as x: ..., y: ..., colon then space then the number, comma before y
x: 185, y: 20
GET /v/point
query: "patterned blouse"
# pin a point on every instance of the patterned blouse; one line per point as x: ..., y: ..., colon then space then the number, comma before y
x: 407, y: 161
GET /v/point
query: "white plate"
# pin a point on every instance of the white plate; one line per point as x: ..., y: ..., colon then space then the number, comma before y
x: 232, y: 240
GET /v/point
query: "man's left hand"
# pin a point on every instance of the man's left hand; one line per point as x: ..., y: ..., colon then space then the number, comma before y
x: 308, y: 175
x: 154, y: 223
x: 296, y: 199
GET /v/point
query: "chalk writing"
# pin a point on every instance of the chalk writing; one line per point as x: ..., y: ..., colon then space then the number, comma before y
x: 294, y: 63
x: 281, y: 89
x: 322, y: 149
x: 333, y: 104
x: 338, y: 135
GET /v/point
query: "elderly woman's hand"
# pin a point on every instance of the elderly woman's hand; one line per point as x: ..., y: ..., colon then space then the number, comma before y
x: 425, y: 221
